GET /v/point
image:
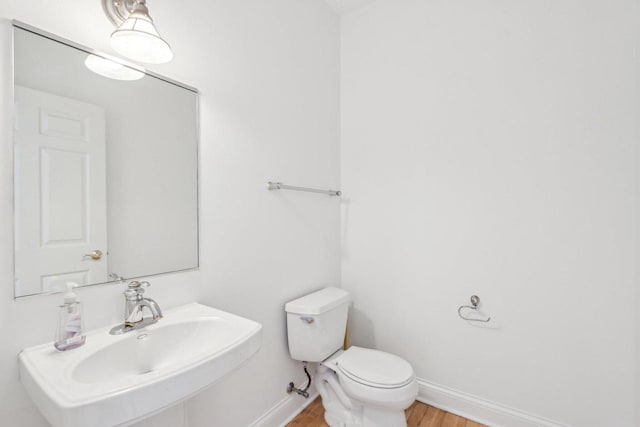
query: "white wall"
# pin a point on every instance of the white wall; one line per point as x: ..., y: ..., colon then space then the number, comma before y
x: 488, y: 147
x: 268, y: 76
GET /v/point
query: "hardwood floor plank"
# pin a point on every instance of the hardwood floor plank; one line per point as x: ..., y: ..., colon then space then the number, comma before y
x: 301, y: 419
x: 449, y: 420
x: 418, y: 415
x: 306, y: 420
x: 315, y: 407
x: 432, y: 418
x: 409, y: 410
x: 316, y: 422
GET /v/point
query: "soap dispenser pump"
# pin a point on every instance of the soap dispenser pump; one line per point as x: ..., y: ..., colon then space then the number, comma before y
x: 69, y: 333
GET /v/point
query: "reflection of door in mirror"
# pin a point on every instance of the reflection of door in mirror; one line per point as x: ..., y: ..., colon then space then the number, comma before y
x: 61, y: 197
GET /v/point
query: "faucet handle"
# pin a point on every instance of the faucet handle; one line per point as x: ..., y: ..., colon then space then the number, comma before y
x: 138, y: 285
x: 136, y: 289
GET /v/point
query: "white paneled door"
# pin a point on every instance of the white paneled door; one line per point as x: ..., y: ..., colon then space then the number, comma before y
x: 60, y: 191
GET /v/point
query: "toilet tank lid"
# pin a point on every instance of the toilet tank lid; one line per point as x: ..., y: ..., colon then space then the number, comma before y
x: 318, y: 302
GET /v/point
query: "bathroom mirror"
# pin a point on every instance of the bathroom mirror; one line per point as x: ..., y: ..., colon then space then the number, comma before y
x: 105, y: 168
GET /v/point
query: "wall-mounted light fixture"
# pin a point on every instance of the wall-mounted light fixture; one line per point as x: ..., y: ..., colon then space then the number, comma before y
x: 136, y: 37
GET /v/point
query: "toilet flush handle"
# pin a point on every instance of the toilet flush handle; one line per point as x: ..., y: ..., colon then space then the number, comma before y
x: 308, y: 319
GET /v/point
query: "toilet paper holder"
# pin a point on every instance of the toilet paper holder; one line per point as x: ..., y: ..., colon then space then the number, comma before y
x: 475, y: 301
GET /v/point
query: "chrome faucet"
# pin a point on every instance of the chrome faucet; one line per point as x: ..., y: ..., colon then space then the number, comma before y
x: 134, y: 309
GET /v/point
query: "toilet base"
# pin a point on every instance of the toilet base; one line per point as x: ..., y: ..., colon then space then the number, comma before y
x: 373, y: 417
x: 361, y: 416
x: 342, y: 411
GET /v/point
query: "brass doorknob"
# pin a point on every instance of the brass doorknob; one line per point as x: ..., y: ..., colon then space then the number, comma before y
x: 95, y: 255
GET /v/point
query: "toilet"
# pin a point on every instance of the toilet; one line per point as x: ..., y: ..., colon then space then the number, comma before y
x: 359, y: 387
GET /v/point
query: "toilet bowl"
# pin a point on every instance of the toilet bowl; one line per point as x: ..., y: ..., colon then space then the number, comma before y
x: 378, y: 387
x: 359, y: 387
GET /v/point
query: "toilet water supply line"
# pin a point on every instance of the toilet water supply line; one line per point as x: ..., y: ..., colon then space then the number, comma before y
x: 329, y: 380
x: 303, y: 391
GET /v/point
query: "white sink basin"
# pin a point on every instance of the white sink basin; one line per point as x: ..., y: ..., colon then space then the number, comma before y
x: 118, y: 379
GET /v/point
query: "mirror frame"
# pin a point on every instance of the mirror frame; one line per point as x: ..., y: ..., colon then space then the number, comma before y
x: 10, y: 80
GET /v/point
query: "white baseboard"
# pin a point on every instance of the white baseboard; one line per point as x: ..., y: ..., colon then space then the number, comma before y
x: 478, y: 409
x: 285, y: 410
x: 459, y: 403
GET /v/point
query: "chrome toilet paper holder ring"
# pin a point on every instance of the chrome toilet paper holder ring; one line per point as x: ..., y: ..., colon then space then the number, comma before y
x: 475, y: 301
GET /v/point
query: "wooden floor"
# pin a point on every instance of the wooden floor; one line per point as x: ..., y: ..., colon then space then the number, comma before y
x: 418, y: 414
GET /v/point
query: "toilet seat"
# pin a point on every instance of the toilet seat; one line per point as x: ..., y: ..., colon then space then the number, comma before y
x: 374, y: 368
x: 375, y: 378
x: 372, y: 377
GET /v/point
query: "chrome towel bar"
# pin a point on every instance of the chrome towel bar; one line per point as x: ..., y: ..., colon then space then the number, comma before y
x: 281, y: 186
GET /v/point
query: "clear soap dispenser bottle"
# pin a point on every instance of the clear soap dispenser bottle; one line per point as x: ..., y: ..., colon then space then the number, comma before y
x: 70, y: 332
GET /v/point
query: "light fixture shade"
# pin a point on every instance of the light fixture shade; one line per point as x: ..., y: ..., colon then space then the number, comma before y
x: 138, y: 39
x: 111, y: 69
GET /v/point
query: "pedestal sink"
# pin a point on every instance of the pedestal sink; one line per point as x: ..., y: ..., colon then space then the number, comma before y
x: 116, y: 380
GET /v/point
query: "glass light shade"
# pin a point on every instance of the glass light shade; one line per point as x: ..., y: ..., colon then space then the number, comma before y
x: 111, y: 69
x: 138, y: 39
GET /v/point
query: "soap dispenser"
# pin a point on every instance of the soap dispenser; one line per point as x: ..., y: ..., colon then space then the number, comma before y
x: 69, y: 333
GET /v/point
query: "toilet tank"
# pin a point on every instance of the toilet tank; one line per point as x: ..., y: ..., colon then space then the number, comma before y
x: 316, y: 324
